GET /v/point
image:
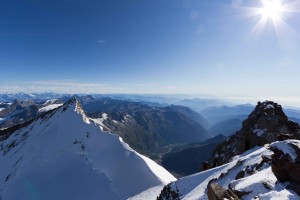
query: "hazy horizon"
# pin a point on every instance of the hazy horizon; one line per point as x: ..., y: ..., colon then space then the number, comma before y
x: 286, y: 102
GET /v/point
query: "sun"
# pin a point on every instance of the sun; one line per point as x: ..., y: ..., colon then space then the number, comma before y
x: 271, y: 10
x: 271, y: 15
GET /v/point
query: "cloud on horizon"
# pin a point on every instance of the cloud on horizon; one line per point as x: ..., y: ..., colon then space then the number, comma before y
x: 76, y: 87
x: 58, y: 86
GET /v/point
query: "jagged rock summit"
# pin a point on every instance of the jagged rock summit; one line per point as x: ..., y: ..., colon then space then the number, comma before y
x: 64, y: 155
x: 266, y: 124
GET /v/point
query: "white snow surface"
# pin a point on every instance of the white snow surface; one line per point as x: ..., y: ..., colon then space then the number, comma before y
x: 61, y: 156
x: 2, y: 109
x: 150, y: 193
x: 194, y: 187
x: 49, y: 107
x: 104, y: 116
x: 286, y: 148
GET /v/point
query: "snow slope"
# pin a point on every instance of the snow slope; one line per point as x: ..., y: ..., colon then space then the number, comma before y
x: 49, y: 107
x: 256, y: 180
x: 63, y: 155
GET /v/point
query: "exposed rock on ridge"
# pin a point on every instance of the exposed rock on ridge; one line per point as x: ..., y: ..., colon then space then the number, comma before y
x: 217, y: 192
x: 266, y: 124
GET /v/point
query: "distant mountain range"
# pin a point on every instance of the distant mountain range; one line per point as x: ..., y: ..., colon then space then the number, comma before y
x: 200, y: 104
x: 31, y: 96
x: 149, y: 130
x: 18, y: 112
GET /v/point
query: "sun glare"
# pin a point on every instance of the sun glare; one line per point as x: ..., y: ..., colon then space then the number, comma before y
x: 273, y: 13
x: 272, y: 9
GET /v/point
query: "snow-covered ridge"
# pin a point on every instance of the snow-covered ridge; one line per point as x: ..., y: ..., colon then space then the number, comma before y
x: 249, y: 173
x: 61, y: 156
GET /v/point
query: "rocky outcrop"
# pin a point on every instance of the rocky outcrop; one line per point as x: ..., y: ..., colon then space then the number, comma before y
x: 266, y: 124
x: 286, y: 163
x: 217, y: 192
x: 168, y: 193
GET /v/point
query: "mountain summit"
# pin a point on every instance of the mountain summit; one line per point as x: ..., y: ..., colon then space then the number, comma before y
x: 266, y: 124
x: 64, y: 155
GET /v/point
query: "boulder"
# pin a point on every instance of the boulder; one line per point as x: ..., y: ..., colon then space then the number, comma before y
x: 217, y: 192
x: 286, y: 162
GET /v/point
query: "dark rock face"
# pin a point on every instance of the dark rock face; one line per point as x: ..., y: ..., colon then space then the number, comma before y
x: 217, y: 192
x: 286, y: 163
x: 266, y: 124
x: 168, y: 194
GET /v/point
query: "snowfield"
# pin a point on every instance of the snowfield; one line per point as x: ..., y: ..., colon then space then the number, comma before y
x: 63, y: 155
x: 49, y: 107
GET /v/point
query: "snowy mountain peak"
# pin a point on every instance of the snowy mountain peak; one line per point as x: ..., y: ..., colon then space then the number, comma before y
x: 268, y: 108
x: 74, y: 105
x: 61, y: 155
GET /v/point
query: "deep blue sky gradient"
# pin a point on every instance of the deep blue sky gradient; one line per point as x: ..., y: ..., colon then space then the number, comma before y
x: 139, y: 46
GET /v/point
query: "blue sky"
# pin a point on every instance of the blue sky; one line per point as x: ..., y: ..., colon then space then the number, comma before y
x: 154, y: 46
